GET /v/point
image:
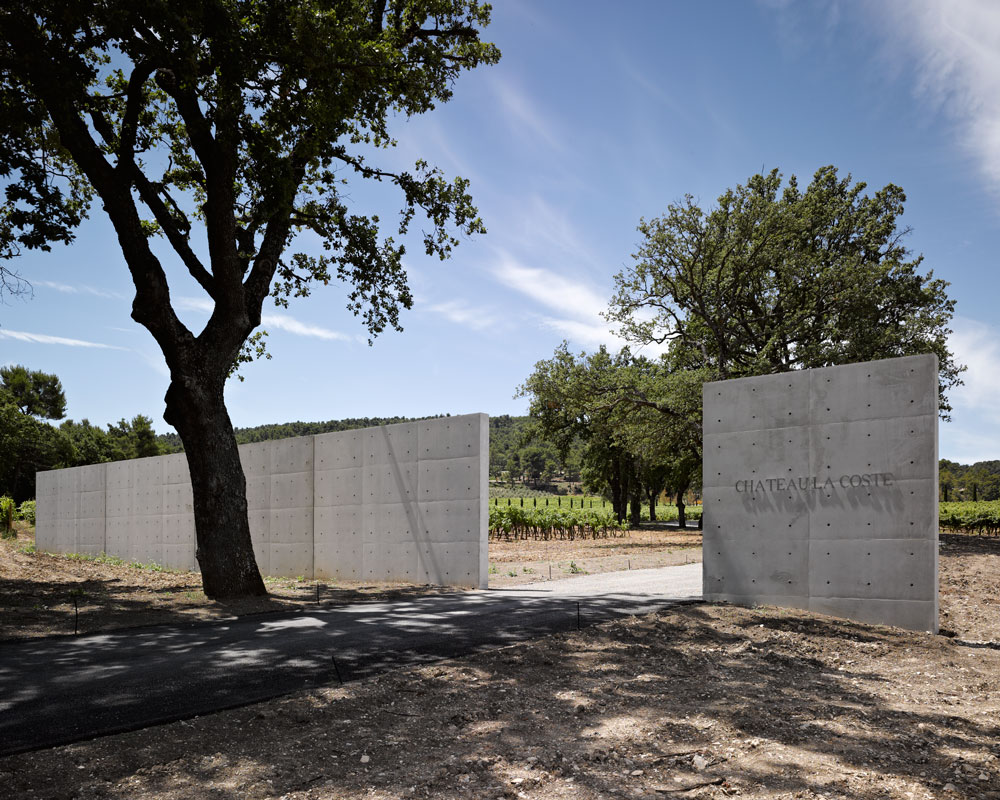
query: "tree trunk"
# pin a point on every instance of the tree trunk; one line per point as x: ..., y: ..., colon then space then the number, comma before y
x: 652, y: 504
x: 681, y: 516
x: 617, y: 495
x: 225, y: 551
x: 635, y: 503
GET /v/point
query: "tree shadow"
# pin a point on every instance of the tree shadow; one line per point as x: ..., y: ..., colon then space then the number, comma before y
x: 651, y: 694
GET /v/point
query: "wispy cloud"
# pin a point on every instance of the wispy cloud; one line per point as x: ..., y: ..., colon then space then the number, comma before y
x: 576, y: 302
x: 546, y: 228
x: 956, y: 46
x: 462, y: 313
x: 66, y: 288
x: 44, y: 338
x: 202, y: 304
x: 524, y: 117
x: 278, y: 321
x: 590, y: 335
x: 573, y: 297
x: 289, y: 324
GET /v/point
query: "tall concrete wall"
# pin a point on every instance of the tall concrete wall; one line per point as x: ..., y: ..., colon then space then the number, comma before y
x: 400, y: 502
x: 820, y: 491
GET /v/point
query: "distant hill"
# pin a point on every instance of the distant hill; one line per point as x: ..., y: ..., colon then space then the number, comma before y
x: 981, y: 481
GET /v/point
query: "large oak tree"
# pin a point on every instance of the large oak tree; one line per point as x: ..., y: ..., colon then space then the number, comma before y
x: 213, y: 132
x: 774, y: 278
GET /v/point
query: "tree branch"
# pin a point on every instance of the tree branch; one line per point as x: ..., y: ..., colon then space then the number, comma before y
x: 130, y: 121
x: 177, y: 238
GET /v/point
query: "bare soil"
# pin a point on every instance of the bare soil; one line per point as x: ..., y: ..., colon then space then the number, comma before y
x: 44, y: 595
x: 525, y: 561
x: 704, y: 701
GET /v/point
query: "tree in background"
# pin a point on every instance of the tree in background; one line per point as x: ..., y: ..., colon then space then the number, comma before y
x: 241, y: 120
x: 640, y: 432
x: 34, y: 392
x: 27, y: 445
x: 135, y: 438
x: 659, y: 404
x: 776, y: 279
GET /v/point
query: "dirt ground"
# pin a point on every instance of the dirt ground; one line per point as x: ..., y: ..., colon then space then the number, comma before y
x: 695, y: 702
x: 40, y: 594
x: 516, y: 562
x: 48, y: 595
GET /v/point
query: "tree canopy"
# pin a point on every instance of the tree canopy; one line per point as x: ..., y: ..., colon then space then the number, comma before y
x: 639, y: 421
x: 773, y: 279
x: 214, y: 133
x: 34, y: 392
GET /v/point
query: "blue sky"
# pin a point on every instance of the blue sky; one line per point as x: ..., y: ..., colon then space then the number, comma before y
x: 592, y: 120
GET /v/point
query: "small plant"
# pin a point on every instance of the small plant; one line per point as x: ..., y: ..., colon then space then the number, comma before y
x: 26, y: 511
x: 28, y: 549
x: 493, y: 570
x: 7, y: 509
x: 512, y: 573
x: 527, y: 570
x: 574, y: 568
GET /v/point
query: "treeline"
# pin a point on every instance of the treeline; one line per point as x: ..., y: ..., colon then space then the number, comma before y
x: 981, y: 481
x: 29, y: 443
x: 287, y: 430
x: 518, y: 455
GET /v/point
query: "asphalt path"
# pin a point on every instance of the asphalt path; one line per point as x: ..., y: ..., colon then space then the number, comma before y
x: 59, y: 690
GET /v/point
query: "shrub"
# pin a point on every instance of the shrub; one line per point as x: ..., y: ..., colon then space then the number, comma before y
x: 27, y: 511
x: 7, y: 518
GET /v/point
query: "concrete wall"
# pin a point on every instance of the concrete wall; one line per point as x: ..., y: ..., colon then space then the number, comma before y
x: 820, y: 491
x: 400, y: 502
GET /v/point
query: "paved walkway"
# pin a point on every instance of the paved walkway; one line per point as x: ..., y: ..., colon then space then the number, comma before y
x: 59, y: 690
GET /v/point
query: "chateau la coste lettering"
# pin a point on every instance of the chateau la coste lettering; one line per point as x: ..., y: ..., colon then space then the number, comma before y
x: 865, y: 480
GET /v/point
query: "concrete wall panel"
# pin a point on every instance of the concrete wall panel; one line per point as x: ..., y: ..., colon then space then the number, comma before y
x: 292, y: 490
x: 391, y: 444
x: 732, y: 514
x: 46, y: 492
x: 757, y: 403
x: 339, y: 487
x: 449, y: 479
x: 341, y: 505
x: 450, y: 437
x: 291, y: 560
x: 854, y: 392
x: 291, y: 525
x: 755, y: 454
x: 821, y: 488
x: 342, y: 450
x: 256, y: 458
x: 390, y: 483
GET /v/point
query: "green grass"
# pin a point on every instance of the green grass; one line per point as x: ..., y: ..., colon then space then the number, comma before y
x: 104, y: 558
